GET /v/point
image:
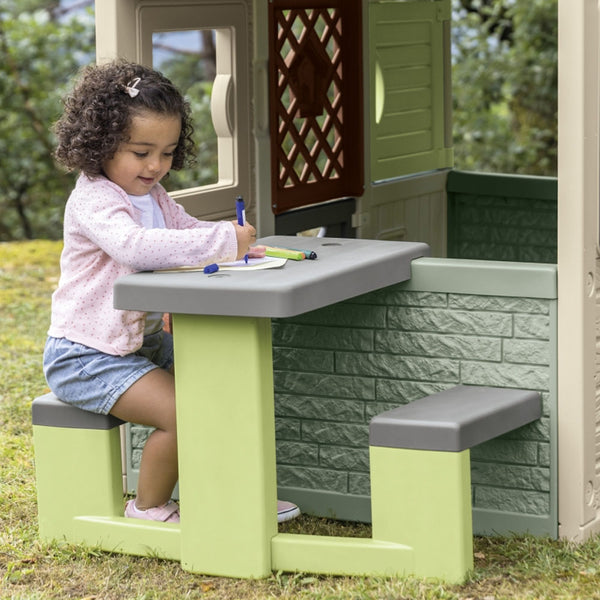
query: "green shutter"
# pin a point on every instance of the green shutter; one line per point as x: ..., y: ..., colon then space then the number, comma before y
x: 408, y: 87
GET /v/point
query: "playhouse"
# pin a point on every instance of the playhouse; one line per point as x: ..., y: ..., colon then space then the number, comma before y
x: 336, y: 114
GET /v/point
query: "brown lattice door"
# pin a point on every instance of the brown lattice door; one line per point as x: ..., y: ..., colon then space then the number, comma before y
x: 316, y: 111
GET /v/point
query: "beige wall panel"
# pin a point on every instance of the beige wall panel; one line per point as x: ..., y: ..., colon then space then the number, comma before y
x: 577, y: 240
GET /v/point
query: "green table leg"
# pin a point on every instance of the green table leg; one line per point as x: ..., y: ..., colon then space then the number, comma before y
x: 226, y: 443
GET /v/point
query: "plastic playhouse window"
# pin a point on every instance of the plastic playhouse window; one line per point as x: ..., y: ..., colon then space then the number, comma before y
x: 188, y: 59
x: 205, y: 53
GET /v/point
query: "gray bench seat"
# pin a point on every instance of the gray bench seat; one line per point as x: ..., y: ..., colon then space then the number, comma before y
x: 48, y: 410
x: 455, y: 419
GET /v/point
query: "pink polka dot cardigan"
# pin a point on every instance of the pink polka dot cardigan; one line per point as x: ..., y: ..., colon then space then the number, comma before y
x: 104, y: 240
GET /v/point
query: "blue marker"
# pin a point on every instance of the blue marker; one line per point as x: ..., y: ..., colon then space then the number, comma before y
x: 240, y: 210
x: 211, y: 268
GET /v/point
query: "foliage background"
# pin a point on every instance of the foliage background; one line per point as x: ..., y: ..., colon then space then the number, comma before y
x: 504, y: 103
x: 505, y: 85
x: 39, y: 51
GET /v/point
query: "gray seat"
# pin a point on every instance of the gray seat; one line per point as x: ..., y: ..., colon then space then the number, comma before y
x: 455, y: 419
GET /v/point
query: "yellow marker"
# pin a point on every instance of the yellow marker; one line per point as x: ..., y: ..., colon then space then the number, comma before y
x: 284, y: 253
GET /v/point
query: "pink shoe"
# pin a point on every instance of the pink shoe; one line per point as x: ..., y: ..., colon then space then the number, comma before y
x: 167, y: 513
x: 286, y: 511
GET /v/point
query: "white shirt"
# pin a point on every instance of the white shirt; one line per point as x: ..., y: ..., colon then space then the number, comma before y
x: 152, y: 218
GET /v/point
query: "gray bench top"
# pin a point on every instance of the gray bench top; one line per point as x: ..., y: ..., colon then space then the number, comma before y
x: 345, y: 268
x: 455, y: 419
x: 50, y: 411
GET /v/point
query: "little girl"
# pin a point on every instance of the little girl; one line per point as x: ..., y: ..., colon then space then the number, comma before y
x: 124, y: 127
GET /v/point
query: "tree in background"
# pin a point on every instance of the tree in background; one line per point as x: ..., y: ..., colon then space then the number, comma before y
x: 41, y: 48
x: 505, y: 86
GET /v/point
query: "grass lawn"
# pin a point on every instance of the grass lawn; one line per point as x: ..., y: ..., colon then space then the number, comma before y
x: 505, y: 568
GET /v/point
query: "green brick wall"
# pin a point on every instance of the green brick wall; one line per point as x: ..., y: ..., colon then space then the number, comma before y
x: 502, y: 217
x: 335, y: 368
x: 456, y: 321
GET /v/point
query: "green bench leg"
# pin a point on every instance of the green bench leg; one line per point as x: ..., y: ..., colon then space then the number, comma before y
x: 422, y: 498
x: 78, y: 471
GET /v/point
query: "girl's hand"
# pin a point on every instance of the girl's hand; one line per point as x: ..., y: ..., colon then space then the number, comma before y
x: 246, y: 235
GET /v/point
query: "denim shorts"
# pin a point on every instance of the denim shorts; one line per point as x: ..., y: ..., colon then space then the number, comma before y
x: 94, y: 381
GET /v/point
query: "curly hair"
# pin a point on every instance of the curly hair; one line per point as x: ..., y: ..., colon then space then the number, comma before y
x: 98, y: 113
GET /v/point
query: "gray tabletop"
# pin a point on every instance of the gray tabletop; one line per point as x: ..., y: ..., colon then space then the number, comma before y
x: 345, y: 268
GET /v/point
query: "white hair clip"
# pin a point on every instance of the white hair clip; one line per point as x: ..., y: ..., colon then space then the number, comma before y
x: 131, y: 87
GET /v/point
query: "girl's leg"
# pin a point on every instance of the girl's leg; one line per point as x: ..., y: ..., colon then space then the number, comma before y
x: 151, y: 401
